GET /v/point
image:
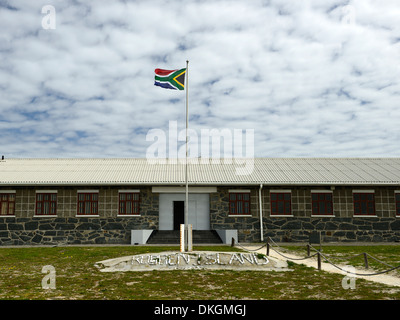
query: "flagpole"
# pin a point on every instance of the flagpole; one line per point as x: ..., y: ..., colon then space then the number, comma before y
x: 186, y: 162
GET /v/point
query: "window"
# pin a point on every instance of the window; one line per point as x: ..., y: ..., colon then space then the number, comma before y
x: 364, y: 203
x: 46, y: 204
x: 322, y: 203
x: 239, y: 203
x: 129, y: 203
x: 7, y: 204
x: 88, y: 203
x: 397, y: 199
x: 281, y: 203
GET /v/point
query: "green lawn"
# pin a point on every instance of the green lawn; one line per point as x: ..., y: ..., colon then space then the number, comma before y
x: 78, y: 278
x: 379, y: 258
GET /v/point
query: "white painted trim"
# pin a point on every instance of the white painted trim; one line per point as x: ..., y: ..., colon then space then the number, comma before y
x: 140, y: 236
x: 128, y: 215
x: 321, y: 191
x: 240, y: 216
x: 364, y: 216
x: 8, y: 191
x: 88, y: 191
x: 396, y: 191
x: 87, y: 216
x: 363, y: 191
x: 280, y: 215
x: 46, y: 191
x: 183, y: 189
x: 129, y: 191
x: 239, y: 190
x: 280, y: 191
x: 226, y: 235
x: 322, y: 216
x: 45, y: 216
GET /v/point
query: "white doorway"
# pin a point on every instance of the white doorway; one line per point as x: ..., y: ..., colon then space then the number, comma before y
x: 198, y: 212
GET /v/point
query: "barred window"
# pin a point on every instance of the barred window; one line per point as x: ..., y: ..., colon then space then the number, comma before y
x: 88, y: 203
x: 7, y: 204
x: 239, y: 203
x: 397, y: 198
x: 281, y: 203
x: 364, y: 203
x: 322, y: 204
x: 46, y: 204
x: 129, y: 203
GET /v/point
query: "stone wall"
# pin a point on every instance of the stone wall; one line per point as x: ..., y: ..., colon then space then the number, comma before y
x: 108, y: 228
x: 343, y: 226
x: 219, y: 215
x: 50, y: 231
x: 67, y: 228
x: 331, y: 229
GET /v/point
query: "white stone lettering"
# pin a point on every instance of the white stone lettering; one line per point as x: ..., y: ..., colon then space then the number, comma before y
x: 236, y: 258
x: 185, y: 257
x: 198, y: 260
x: 218, y: 260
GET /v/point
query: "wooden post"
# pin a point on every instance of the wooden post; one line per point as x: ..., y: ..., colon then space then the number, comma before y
x: 366, y: 260
x: 267, y: 248
x: 182, y: 238
x: 319, y: 260
x: 189, y: 235
x: 233, y: 242
x: 308, y: 250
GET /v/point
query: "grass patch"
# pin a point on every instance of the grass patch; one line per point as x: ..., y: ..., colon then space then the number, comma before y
x: 380, y: 258
x: 77, y: 278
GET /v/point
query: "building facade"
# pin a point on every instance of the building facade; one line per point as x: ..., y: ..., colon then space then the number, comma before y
x: 99, y: 201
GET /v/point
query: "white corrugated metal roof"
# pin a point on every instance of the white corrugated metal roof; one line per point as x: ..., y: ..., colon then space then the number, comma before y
x: 268, y: 171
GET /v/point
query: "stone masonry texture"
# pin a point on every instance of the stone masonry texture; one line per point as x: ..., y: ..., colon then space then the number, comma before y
x: 24, y: 228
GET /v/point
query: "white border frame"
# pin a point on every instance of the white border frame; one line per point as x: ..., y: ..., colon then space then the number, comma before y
x: 8, y: 191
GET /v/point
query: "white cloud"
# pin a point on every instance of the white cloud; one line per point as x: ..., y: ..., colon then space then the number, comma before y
x: 308, y: 79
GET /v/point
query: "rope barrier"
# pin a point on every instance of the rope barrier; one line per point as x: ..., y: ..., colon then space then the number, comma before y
x: 360, y: 274
x: 380, y: 261
x: 251, y: 249
x: 291, y: 258
x: 318, y: 253
x: 355, y: 273
x: 288, y: 257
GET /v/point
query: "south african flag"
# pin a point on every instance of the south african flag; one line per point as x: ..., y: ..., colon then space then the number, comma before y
x: 170, y: 79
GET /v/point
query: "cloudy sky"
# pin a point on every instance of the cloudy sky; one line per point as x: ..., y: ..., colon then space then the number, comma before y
x: 317, y: 78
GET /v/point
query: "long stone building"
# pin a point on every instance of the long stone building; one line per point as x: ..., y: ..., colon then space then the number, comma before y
x: 101, y: 201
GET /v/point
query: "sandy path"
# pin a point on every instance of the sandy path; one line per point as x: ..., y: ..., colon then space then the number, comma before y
x: 385, y: 278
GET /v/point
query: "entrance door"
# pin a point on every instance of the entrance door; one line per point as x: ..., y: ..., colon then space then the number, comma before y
x: 179, y: 214
x: 172, y: 211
